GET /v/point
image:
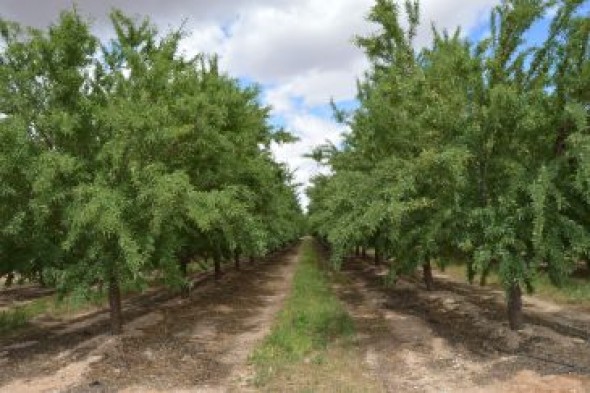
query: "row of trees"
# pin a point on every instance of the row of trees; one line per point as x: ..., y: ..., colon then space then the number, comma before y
x: 472, y: 151
x: 123, y: 158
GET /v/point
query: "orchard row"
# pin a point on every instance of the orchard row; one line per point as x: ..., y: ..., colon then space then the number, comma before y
x: 124, y: 159
x: 467, y: 150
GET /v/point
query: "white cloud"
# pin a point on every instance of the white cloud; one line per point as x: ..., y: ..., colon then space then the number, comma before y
x: 271, y: 44
x: 451, y: 14
x: 312, y: 131
x: 207, y: 38
x: 316, y: 87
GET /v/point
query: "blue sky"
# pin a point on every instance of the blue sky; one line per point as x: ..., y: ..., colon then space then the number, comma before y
x: 299, y: 51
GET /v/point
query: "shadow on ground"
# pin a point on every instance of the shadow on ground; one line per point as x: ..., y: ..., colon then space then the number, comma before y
x: 457, y: 330
x: 168, y: 342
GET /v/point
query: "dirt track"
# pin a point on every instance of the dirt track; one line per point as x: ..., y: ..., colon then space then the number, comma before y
x: 169, y: 344
x: 455, y: 339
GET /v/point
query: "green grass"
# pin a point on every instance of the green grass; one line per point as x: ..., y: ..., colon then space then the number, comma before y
x: 311, y: 319
x: 199, y: 266
x: 19, y: 317
x: 574, y: 291
x: 11, y: 320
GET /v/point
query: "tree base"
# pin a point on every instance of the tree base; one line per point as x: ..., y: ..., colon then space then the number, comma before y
x: 515, y: 317
x: 427, y: 276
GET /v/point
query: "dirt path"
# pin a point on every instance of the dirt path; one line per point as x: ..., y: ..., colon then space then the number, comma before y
x: 445, y: 341
x: 169, y: 344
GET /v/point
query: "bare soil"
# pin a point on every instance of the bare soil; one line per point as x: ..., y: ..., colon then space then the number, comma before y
x: 569, y: 319
x: 169, y: 344
x: 455, y: 339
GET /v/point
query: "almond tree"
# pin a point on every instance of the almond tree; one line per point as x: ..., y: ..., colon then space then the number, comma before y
x: 130, y: 156
x: 476, y: 151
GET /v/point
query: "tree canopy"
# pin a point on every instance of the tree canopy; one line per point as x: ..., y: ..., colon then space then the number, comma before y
x: 121, y: 158
x: 476, y: 151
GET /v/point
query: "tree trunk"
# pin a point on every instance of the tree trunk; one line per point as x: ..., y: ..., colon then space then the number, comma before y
x: 42, y: 282
x: 252, y: 259
x: 186, y: 288
x: 427, y: 275
x: 364, y: 252
x: 357, y: 251
x: 377, y: 256
x: 470, y: 272
x: 483, y: 280
x: 9, y: 280
x: 115, y: 305
x: 515, y: 307
x: 217, y: 264
x: 237, y: 259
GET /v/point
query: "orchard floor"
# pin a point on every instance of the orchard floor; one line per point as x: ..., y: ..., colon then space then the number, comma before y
x: 20, y: 295
x: 169, y: 344
x: 454, y: 339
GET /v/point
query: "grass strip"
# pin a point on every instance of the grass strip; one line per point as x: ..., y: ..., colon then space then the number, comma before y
x: 18, y: 317
x: 311, y: 319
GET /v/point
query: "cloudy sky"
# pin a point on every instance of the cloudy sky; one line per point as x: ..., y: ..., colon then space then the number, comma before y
x: 299, y: 51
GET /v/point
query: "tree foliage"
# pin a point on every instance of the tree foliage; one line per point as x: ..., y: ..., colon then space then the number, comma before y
x: 466, y: 150
x: 122, y: 158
